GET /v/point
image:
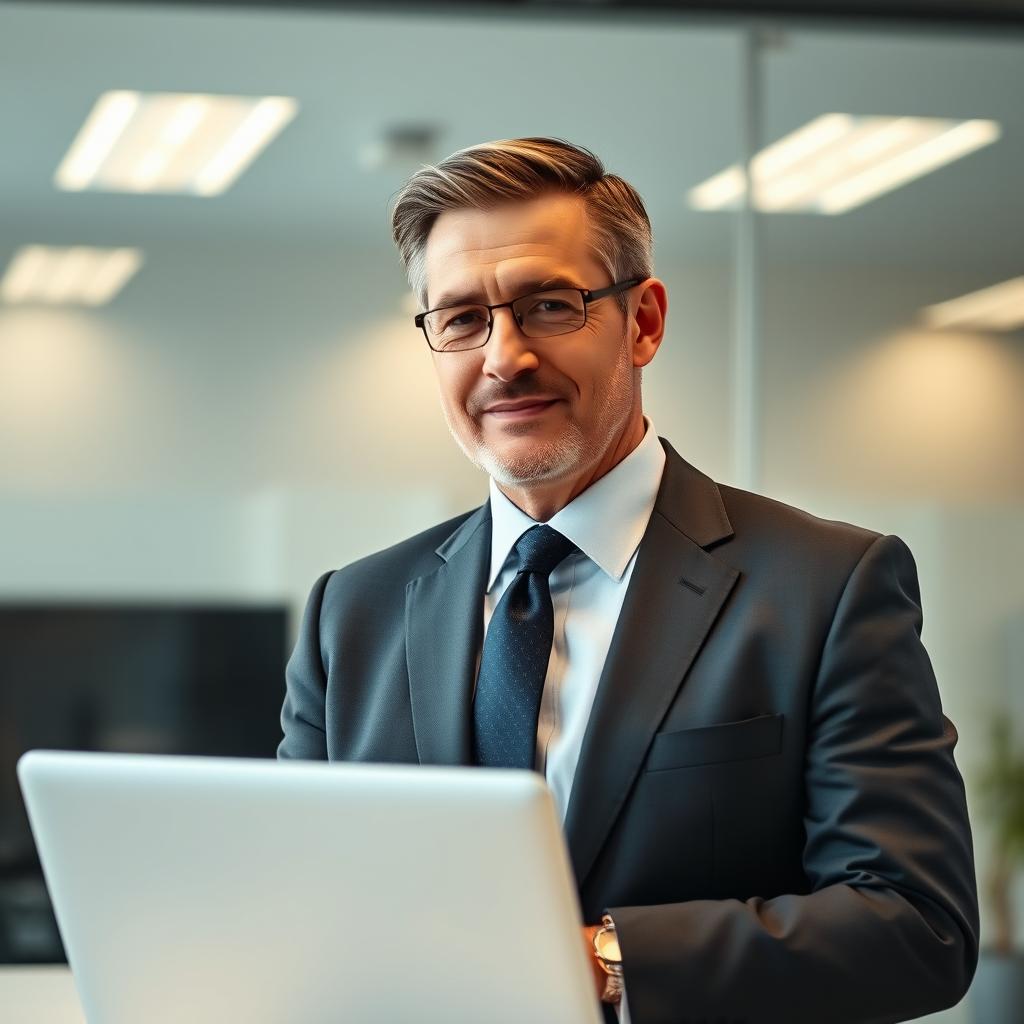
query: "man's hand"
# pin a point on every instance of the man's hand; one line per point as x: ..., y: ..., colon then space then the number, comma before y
x: 589, y: 931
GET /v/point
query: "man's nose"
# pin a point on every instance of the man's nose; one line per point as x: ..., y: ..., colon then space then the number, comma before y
x: 508, y: 351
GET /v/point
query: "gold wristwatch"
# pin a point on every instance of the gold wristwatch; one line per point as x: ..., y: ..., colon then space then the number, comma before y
x: 606, y: 949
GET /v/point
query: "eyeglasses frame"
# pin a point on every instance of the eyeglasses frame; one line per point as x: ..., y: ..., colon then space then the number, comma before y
x: 587, y: 294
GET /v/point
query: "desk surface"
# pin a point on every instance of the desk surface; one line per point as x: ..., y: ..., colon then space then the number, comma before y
x: 39, y: 995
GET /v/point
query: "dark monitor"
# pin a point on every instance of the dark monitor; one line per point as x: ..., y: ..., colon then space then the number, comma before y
x: 174, y: 679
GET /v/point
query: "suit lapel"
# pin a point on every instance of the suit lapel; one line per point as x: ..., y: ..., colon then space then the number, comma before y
x: 674, y: 596
x: 443, y: 632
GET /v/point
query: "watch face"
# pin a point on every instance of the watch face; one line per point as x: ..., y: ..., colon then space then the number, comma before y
x: 608, y: 944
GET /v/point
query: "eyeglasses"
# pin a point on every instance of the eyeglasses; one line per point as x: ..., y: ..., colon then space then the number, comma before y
x: 541, y: 314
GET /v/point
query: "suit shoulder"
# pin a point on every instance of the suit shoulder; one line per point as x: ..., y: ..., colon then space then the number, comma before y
x: 759, y: 519
x: 399, y: 562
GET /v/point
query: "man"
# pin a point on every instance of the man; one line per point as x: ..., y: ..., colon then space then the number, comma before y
x: 728, y: 696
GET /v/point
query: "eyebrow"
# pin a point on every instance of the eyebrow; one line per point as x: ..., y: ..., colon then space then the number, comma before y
x: 523, y: 288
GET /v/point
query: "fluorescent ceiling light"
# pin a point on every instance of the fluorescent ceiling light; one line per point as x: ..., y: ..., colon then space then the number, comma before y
x: 171, y: 142
x: 77, y: 274
x: 840, y: 161
x: 999, y: 308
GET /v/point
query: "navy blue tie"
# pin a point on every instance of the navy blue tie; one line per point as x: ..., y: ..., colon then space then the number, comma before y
x: 515, y: 655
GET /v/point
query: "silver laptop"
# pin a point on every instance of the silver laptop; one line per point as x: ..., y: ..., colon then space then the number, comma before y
x: 219, y: 890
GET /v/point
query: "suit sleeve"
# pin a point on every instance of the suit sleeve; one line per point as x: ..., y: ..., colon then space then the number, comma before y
x: 303, y: 713
x: 889, y: 930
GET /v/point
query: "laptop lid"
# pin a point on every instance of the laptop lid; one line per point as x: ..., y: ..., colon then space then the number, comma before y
x: 217, y: 889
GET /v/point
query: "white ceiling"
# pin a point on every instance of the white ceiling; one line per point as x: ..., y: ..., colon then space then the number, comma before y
x: 658, y: 101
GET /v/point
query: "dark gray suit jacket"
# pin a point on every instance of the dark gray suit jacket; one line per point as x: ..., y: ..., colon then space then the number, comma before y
x: 766, y: 799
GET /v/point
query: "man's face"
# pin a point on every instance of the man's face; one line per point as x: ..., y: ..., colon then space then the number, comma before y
x: 583, y: 382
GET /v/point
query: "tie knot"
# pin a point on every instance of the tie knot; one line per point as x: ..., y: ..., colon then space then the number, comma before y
x: 540, y: 549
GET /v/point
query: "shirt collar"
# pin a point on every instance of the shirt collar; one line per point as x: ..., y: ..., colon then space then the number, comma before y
x: 606, y: 521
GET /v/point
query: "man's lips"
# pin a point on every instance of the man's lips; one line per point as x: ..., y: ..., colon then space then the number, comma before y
x: 520, y: 409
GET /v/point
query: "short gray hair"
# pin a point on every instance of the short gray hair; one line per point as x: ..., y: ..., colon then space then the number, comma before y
x: 522, y: 169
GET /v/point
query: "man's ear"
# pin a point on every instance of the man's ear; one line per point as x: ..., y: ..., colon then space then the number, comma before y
x: 648, y: 320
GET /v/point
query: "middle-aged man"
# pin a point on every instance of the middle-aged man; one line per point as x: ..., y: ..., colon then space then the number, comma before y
x: 728, y: 696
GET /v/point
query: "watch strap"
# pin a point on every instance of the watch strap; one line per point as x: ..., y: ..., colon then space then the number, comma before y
x: 613, y: 987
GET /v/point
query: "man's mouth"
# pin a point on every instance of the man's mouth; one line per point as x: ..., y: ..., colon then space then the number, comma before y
x: 521, y: 409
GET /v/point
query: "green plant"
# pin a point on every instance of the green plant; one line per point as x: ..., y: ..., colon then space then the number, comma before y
x: 1001, y: 789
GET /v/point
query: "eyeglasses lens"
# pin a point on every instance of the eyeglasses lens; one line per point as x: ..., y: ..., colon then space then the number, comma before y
x: 540, y: 315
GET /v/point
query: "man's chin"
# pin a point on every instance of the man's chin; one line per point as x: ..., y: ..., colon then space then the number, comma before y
x: 518, y: 475
x: 520, y: 465
x: 517, y: 461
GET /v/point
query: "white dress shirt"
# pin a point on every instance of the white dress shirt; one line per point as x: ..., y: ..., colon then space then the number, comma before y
x: 606, y: 523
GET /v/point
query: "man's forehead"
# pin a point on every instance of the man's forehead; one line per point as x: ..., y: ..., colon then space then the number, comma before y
x: 524, y: 240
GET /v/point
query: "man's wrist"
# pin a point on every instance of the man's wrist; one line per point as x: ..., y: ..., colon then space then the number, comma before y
x: 609, y: 957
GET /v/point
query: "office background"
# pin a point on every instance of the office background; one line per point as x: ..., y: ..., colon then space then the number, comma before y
x: 254, y: 406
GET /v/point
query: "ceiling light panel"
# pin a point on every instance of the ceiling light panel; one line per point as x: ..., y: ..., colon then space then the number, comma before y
x: 999, y: 308
x: 71, y: 275
x: 838, y: 162
x: 192, y: 143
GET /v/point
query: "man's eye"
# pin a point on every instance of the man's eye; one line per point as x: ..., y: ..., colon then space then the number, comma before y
x: 462, y: 319
x: 549, y: 306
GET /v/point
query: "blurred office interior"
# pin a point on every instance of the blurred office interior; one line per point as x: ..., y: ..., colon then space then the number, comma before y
x: 251, y: 404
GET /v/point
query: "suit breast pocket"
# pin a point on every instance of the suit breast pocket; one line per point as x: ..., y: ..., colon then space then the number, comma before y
x: 760, y: 736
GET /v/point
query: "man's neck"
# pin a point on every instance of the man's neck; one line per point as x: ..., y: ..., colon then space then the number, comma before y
x: 542, y: 500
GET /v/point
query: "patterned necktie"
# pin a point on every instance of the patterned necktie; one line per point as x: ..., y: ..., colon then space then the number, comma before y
x: 515, y: 657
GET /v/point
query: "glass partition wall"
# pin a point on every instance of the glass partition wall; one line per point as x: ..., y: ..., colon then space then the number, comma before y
x: 258, y: 380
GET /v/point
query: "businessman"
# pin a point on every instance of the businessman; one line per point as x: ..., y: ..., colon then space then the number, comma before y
x: 728, y: 696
